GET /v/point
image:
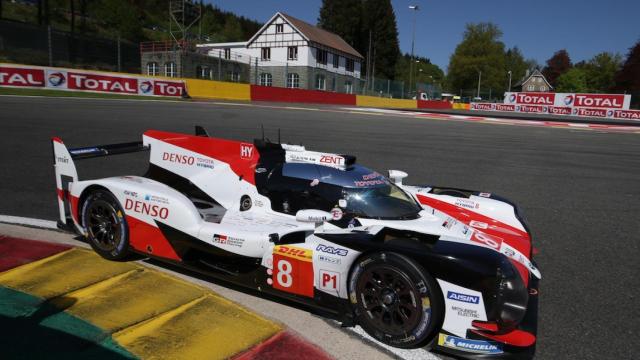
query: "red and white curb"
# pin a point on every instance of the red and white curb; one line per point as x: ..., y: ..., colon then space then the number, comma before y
x: 505, y: 121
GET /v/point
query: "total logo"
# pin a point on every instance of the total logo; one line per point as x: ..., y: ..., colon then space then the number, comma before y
x: 512, y: 98
x: 610, y: 113
x: 568, y: 100
x: 146, y: 86
x: 57, y: 79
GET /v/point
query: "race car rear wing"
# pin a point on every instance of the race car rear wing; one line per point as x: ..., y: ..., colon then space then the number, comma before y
x: 66, y: 173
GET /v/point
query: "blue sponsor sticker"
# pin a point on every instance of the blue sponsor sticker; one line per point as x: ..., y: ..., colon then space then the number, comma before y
x: 88, y: 150
x: 463, y: 297
x: 474, y: 346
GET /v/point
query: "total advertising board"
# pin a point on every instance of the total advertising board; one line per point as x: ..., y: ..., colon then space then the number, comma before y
x: 589, y: 105
x: 22, y: 76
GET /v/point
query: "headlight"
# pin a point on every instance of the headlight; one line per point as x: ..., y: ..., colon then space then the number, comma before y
x: 512, y: 297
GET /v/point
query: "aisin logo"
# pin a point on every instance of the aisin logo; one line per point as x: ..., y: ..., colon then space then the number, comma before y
x: 568, y: 100
x: 512, y: 98
x: 56, y: 79
x: 146, y: 86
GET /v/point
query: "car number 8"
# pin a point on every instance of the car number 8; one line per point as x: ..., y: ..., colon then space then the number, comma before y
x: 284, y: 273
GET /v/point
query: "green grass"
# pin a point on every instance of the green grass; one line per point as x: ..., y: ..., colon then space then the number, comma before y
x: 77, y: 94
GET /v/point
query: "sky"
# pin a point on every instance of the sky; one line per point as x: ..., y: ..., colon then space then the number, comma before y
x: 539, y: 28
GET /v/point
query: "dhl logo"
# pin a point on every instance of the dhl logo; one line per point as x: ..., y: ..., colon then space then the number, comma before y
x: 293, y: 252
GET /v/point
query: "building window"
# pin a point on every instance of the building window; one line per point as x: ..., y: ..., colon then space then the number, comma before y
x: 227, y: 53
x: 170, y: 69
x: 321, y: 82
x: 279, y: 28
x: 292, y: 53
x: 350, y: 65
x: 348, y: 87
x: 543, y: 88
x: 531, y: 87
x: 266, y: 79
x: 152, y: 69
x: 203, y: 72
x: 293, y: 80
x: 321, y: 56
x: 336, y: 60
x: 233, y: 76
x: 265, y: 54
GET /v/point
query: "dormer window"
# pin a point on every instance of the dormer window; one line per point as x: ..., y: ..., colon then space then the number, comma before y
x: 279, y: 28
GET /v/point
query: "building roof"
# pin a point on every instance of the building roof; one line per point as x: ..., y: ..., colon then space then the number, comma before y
x: 535, y: 72
x: 314, y: 34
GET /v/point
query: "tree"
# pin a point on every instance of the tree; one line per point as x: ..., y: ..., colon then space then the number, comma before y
x: 557, y: 65
x: 343, y: 17
x: 381, y: 20
x: 572, y: 81
x: 480, y: 51
x: 600, y: 71
x: 515, y: 62
x: 628, y: 77
x: 423, y: 72
x: 232, y: 30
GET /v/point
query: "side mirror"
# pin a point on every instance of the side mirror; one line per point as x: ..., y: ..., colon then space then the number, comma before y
x: 397, y: 176
x: 317, y: 217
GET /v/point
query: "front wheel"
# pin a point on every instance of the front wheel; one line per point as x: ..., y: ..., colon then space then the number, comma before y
x: 396, y: 301
x: 105, y: 225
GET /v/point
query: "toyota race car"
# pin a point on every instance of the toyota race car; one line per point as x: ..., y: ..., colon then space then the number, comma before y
x: 414, y: 266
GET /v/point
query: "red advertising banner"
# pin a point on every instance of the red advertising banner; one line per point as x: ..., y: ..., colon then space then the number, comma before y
x: 531, y: 98
x: 92, y: 81
x: 21, y: 77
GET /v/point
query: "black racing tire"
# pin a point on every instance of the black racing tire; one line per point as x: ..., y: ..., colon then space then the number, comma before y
x: 105, y: 225
x: 395, y: 300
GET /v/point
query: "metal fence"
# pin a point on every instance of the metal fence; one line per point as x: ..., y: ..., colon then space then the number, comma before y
x: 30, y: 44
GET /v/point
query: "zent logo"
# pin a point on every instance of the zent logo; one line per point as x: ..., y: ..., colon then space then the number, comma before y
x: 328, y: 159
x: 463, y: 297
x: 56, y: 79
x: 332, y: 250
x: 246, y: 151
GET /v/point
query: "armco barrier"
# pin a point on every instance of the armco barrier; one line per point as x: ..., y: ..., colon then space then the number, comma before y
x: 434, y: 104
x: 380, y: 102
x: 269, y: 93
x: 208, y: 89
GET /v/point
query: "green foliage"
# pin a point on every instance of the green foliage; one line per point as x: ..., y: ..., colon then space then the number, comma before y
x: 354, y: 20
x: 600, y: 71
x: 573, y: 80
x: 628, y: 77
x: 423, y: 72
x: 557, y: 65
x: 120, y: 18
x: 515, y: 62
x: 480, y: 51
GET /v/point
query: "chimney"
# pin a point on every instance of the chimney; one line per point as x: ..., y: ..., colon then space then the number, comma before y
x: 527, y: 74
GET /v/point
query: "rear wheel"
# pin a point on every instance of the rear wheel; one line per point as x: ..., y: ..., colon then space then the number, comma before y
x: 396, y: 301
x: 105, y: 225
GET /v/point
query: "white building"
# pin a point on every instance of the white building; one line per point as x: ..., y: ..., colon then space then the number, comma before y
x: 290, y: 52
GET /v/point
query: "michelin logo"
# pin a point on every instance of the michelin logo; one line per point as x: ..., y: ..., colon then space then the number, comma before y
x: 463, y: 297
x: 474, y: 346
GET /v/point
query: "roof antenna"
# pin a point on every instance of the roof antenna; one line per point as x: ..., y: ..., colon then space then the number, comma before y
x: 279, y: 136
x: 262, y: 127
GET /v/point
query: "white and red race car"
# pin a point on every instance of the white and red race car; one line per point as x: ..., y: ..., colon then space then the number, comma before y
x: 415, y: 266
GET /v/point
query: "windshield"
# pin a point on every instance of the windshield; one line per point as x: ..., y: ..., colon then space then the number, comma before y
x: 357, y: 191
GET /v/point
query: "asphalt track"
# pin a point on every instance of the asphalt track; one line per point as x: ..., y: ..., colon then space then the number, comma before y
x: 579, y: 189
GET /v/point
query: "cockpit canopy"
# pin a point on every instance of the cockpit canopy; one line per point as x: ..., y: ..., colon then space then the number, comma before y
x: 357, y: 191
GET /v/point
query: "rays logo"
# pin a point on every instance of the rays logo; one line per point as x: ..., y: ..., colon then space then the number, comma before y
x: 568, y: 100
x: 512, y: 98
x: 56, y: 79
x: 146, y: 86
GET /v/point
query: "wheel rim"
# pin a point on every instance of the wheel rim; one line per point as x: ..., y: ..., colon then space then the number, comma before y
x: 103, y: 225
x: 390, y: 299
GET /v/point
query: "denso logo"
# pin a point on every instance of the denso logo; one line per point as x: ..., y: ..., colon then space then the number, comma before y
x: 463, y: 297
x: 599, y: 100
x: 56, y: 79
x: 535, y: 98
x: 330, y: 159
x: 177, y: 158
x: 21, y: 77
x: 146, y: 209
x: 332, y: 250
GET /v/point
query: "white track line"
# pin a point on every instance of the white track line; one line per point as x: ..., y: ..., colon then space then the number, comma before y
x: 18, y: 220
